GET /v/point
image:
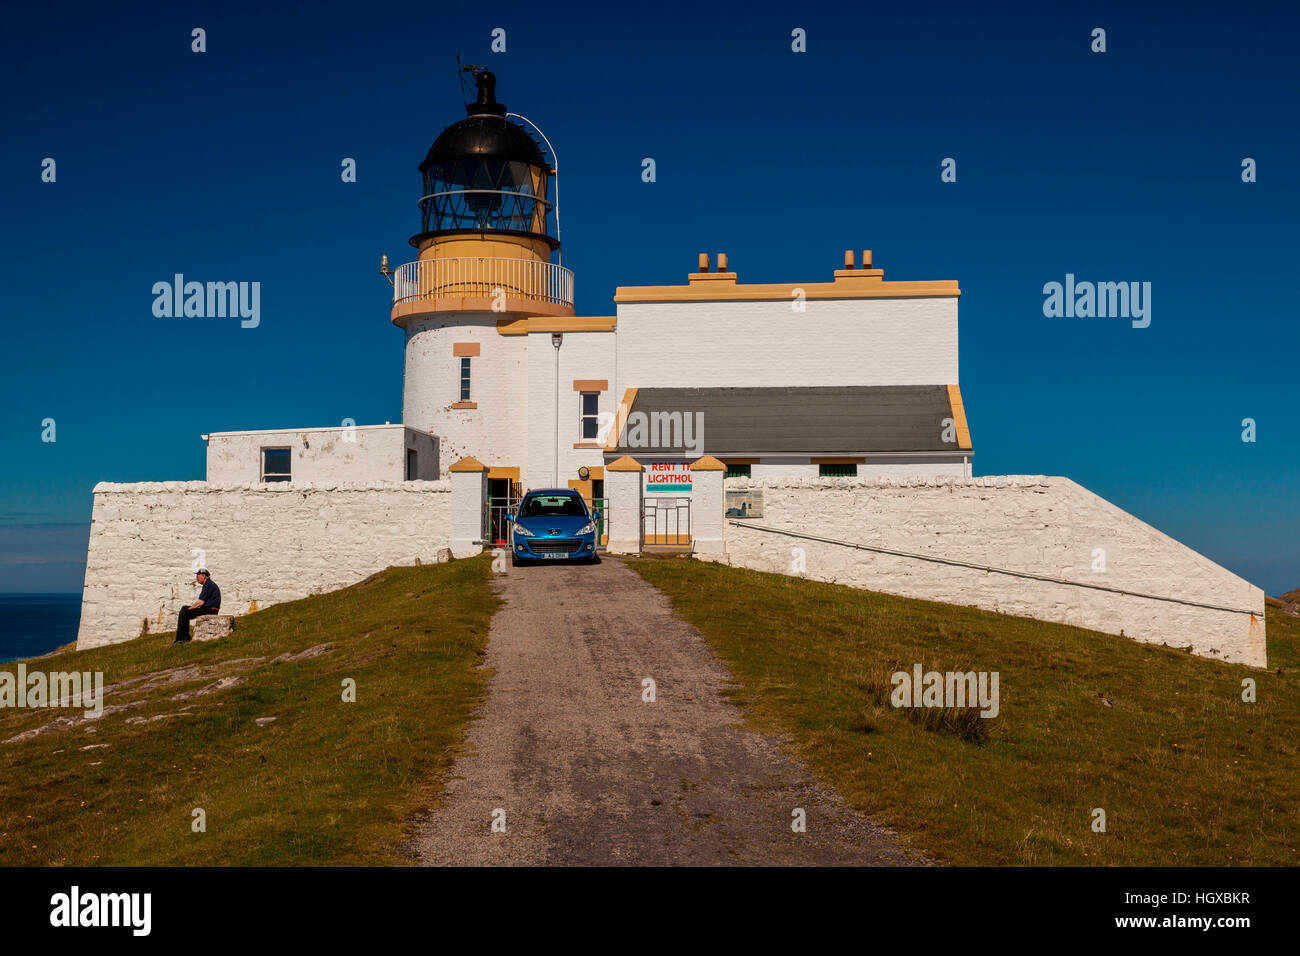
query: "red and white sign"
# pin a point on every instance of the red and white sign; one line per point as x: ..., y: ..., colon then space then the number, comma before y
x: 668, y: 476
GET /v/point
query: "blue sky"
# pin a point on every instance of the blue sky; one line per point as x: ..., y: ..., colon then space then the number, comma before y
x: 1123, y: 166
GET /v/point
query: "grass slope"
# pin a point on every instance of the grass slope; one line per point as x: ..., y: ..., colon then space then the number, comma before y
x: 1161, y: 740
x: 327, y: 782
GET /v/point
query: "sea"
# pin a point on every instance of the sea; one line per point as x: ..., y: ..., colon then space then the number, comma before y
x: 35, y: 624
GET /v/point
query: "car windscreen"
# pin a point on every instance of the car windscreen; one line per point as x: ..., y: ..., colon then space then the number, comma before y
x: 547, y: 506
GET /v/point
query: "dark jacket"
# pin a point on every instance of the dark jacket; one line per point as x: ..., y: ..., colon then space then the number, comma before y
x: 210, y: 595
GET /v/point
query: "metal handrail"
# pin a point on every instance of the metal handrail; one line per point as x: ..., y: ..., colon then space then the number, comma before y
x: 555, y: 171
x: 485, y: 276
x: 988, y: 568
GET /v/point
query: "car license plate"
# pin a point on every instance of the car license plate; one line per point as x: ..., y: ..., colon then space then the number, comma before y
x: 556, y: 555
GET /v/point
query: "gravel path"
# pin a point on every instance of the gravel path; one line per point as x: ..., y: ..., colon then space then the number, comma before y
x: 587, y: 773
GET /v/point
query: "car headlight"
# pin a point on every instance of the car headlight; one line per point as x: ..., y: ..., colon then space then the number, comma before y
x: 520, y: 529
x: 587, y: 528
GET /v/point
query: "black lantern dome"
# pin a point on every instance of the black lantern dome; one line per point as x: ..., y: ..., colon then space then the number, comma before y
x: 486, y: 174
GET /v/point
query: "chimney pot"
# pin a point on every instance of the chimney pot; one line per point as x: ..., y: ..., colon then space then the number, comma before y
x: 722, y: 262
x: 704, y: 262
x: 848, y: 258
x: 866, y: 258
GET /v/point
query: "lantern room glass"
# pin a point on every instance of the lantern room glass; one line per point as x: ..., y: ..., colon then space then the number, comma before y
x: 484, y: 194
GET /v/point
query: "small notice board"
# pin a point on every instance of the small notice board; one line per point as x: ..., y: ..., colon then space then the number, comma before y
x: 744, y: 502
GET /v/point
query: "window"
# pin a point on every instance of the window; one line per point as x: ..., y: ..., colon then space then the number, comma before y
x: 837, y: 471
x: 553, y: 506
x: 412, y: 465
x: 589, y: 410
x: 737, y: 471
x: 276, y: 464
x: 464, y: 379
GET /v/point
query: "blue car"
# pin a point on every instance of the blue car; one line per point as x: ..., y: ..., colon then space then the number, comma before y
x: 553, y: 525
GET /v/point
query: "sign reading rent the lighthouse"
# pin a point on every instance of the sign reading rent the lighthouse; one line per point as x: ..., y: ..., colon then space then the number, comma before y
x: 668, y: 476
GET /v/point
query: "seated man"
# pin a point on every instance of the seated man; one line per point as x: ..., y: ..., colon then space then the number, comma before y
x: 209, y: 602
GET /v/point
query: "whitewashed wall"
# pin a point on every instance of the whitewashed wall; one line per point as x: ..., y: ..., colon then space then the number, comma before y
x: 267, y: 543
x: 764, y: 343
x: 583, y: 355
x: 623, y: 489
x: 324, y: 455
x: 496, y: 432
x: 912, y: 466
x: 1045, y: 526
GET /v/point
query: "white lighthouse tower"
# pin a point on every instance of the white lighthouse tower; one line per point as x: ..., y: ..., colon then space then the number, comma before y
x: 484, y: 269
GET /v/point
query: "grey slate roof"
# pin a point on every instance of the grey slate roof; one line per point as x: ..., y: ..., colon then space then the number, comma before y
x: 817, y: 421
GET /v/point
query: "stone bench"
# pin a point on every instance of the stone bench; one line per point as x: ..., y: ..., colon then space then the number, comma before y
x: 210, y: 627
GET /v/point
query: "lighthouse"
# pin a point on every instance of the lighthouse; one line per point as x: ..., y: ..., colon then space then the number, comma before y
x: 825, y: 409
x: 486, y: 263
x: 791, y: 379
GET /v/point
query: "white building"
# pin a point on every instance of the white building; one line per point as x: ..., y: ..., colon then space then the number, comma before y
x: 748, y: 422
x: 853, y: 376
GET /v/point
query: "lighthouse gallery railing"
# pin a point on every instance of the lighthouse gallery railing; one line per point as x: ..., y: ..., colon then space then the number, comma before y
x: 483, y: 276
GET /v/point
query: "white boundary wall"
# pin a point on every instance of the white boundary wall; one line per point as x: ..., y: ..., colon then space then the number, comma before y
x: 1043, y: 526
x: 262, y: 542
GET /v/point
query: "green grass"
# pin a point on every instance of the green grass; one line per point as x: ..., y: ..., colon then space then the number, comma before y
x: 327, y: 782
x: 1186, y: 772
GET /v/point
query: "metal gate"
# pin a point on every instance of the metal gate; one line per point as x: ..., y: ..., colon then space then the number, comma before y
x: 600, y: 506
x: 496, y: 523
x: 666, y: 521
